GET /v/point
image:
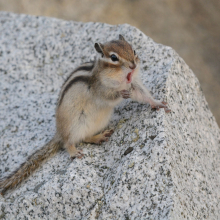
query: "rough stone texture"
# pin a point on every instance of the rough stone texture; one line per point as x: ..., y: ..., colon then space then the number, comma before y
x: 173, y: 171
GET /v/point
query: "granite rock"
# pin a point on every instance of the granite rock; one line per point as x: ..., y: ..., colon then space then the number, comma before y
x: 155, y: 165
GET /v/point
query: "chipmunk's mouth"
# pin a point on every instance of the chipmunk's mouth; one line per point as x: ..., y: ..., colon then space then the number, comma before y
x: 129, y: 76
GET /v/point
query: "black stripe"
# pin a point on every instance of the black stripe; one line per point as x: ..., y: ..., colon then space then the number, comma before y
x: 84, y: 79
x: 85, y: 68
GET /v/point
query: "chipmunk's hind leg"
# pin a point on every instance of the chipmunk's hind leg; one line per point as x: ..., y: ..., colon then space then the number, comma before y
x: 99, y: 138
x: 73, y: 152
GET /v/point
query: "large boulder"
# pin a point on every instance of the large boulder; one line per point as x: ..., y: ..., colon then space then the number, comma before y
x: 173, y: 170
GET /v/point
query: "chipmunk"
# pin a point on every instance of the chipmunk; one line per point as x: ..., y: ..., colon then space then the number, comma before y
x: 86, y: 102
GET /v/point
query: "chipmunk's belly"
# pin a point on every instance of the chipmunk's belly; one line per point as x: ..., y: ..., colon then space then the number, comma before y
x: 90, y: 122
x: 99, y: 121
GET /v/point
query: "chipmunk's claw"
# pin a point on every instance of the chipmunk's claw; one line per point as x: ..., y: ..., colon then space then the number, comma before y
x: 157, y: 105
x: 79, y: 154
x: 125, y: 94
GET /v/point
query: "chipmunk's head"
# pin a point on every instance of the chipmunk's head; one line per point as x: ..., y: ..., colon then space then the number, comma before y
x: 118, y: 61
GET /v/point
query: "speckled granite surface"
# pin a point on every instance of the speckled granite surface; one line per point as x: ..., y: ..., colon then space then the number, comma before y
x: 173, y: 171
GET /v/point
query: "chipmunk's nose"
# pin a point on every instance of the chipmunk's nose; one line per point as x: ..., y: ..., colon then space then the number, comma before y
x: 133, y: 66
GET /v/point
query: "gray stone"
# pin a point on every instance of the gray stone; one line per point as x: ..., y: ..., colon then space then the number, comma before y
x: 173, y: 170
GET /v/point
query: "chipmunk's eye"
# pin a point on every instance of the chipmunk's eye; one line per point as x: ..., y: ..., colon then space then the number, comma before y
x: 114, y: 58
x: 134, y: 52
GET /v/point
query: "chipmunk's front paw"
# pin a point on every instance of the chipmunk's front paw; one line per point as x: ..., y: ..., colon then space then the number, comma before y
x: 157, y: 105
x: 126, y: 94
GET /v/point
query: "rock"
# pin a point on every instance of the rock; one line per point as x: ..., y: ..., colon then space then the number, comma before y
x: 173, y: 171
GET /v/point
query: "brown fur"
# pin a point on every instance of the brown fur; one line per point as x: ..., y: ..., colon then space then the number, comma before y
x: 32, y: 163
x: 122, y: 48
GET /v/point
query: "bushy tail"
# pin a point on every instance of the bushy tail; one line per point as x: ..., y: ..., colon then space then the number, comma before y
x: 28, y: 167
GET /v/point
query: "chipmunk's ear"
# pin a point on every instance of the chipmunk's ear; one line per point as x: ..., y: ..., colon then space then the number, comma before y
x: 121, y: 37
x: 99, y: 48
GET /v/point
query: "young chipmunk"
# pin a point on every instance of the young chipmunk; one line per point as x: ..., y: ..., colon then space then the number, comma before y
x: 86, y: 103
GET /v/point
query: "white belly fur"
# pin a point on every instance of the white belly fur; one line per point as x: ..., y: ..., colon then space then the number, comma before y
x: 92, y: 123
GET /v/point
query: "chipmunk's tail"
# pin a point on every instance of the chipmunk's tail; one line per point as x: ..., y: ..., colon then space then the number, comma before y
x: 28, y: 167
